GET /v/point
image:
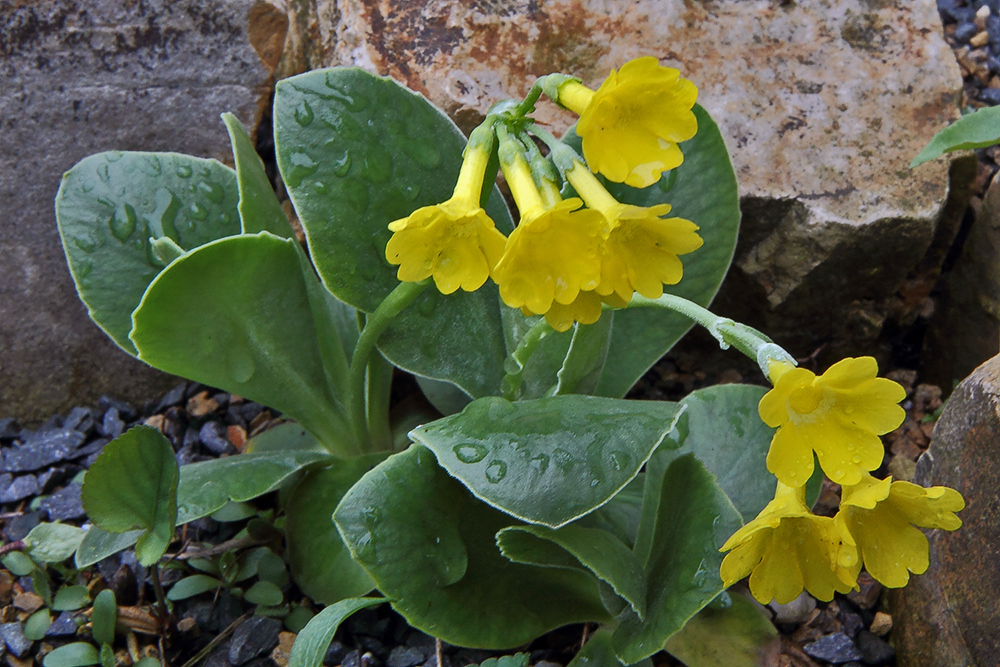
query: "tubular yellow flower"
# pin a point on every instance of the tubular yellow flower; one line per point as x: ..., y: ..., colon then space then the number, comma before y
x: 585, y: 309
x: 787, y: 548
x: 839, y: 415
x: 632, y: 124
x: 454, y: 242
x: 554, y: 253
x: 641, y: 253
x: 881, y: 516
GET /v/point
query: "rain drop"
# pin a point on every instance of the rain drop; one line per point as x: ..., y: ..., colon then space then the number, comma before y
x: 213, y: 191
x: 539, y: 463
x: 619, y: 460
x: 122, y: 223
x: 300, y: 165
x: 113, y: 156
x: 320, y: 187
x: 198, y: 212
x: 496, y: 471
x: 83, y: 268
x: 151, y: 166
x: 470, y: 452
x: 422, y: 152
x: 303, y: 114
x: 343, y: 165
x: 241, y: 365
x: 377, y: 164
x: 85, y: 242
x: 104, y: 173
x: 354, y: 101
x: 184, y: 171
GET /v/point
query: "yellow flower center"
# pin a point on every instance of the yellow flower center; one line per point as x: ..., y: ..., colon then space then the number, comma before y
x: 804, y: 402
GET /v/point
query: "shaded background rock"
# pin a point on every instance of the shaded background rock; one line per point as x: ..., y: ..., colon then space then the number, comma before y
x: 949, y: 616
x: 823, y: 107
x: 83, y: 76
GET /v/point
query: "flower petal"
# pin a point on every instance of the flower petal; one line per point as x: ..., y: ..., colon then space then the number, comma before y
x: 790, y: 457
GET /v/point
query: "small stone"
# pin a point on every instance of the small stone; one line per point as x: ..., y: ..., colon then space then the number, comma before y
x: 867, y: 595
x: 64, y: 504
x: 220, y: 656
x: 405, y: 656
x: 125, y: 410
x: 874, y: 650
x: 79, y: 419
x: 902, y: 468
x: 65, y: 625
x: 201, y: 404
x: 980, y: 39
x: 112, y: 424
x: 952, y: 12
x: 432, y: 662
x: 156, y: 421
x: 42, y: 449
x: 13, y: 637
x: 881, y: 624
x: 335, y: 653
x: 254, y: 637
x: 173, y: 397
x: 965, y: 31
x: 836, y: 648
x: 851, y: 623
x: 9, y: 428
x: 28, y: 602
x: 794, y: 612
x: 187, y: 624
x: 236, y: 435
x: 352, y: 659
x: 546, y: 663
x: 17, y: 489
x: 283, y: 650
x: 990, y: 96
x: 18, y: 527
x: 213, y: 437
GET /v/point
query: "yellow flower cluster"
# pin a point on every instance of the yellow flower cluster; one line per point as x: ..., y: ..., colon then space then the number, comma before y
x: 566, y: 258
x: 839, y: 416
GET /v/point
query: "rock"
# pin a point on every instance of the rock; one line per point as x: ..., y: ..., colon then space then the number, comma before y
x: 112, y: 425
x: 13, y: 489
x: 836, y: 648
x: 13, y: 637
x: 822, y: 111
x: 796, y: 611
x: 79, y: 419
x: 64, y: 504
x: 851, y: 623
x: 42, y: 449
x: 964, y: 32
x: 254, y: 637
x: 9, y: 428
x: 65, y: 625
x: 405, y: 656
x: 18, y: 527
x: 874, y: 650
x: 335, y: 653
x: 949, y: 616
x: 213, y: 437
x: 868, y: 591
x: 89, y: 76
x: 173, y: 397
x: 220, y: 656
x: 881, y: 624
x: 28, y: 602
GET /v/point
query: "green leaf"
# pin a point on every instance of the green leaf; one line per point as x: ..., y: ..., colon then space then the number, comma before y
x: 584, y: 362
x: 541, y: 372
x: 107, y: 656
x: 516, y: 660
x: 104, y: 617
x: 287, y: 437
x: 133, y: 485
x: 549, y: 460
x: 703, y: 189
x: 77, y: 654
x: 682, y: 566
x: 599, y: 652
x: 196, y: 584
x: 254, y: 333
x: 53, y: 542
x: 321, y: 565
x: 259, y: 207
x: 431, y: 549
x: 312, y: 643
x: 147, y: 662
x: 298, y: 618
x: 599, y: 551
x: 621, y: 515
x: 356, y: 152
x: 19, y: 564
x: 977, y: 130
x: 108, y: 207
x: 71, y: 598
x: 740, y: 635
x: 36, y: 625
x: 264, y: 593
x: 98, y: 544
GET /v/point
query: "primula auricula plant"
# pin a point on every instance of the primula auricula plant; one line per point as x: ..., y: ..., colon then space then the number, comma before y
x: 541, y: 497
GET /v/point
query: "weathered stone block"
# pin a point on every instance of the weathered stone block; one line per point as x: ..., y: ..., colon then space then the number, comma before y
x: 949, y: 617
x: 83, y: 76
x: 823, y: 105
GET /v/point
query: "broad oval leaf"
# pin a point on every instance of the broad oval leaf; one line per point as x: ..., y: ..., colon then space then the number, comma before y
x: 77, y: 654
x: 259, y: 207
x: 738, y: 635
x: 71, y: 598
x: 320, y: 563
x: 312, y: 643
x: 196, y: 584
x: 110, y: 204
x: 133, y: 485
x: 53, y: 542
x: 36, y: 625
x: 253, y: 332
x: 550, y: 460
x: 357, y: 151
x: 98, y: 544
x: 702, y: 189
x: 976, y: 130
x: 599, y: 652
x: 431, y: 548
x: 104, y: 616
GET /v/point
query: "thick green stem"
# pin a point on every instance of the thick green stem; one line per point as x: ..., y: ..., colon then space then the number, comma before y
x: 377, y: 323
x: 514, y: 365
x: 527, y: 105
x: 379, y: 389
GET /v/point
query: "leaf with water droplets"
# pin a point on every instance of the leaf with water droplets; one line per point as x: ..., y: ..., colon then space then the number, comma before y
x: 108, y: 207
x: 431, y: 548
x: 382, y: 151
x: 549, y: 460
x: 259, y: 207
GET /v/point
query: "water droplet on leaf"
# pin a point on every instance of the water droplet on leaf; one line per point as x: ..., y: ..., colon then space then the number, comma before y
x: 122, y: 223
x: 213, y: 191
x: 241, y: 365
x: 303, y: 114
x: 300, y: 165
x: 184, y: 171
x: 470, y: 452
x: 496, y: 471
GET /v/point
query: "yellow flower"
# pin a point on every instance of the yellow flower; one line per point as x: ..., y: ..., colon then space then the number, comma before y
x: 632, y: 124
x: 585, y: 309
x: 641, y: 253
x: 554, y: 253
x: 881, y: 515
x: 454, y: 242
x: 787, y: 548
x: 839, y: 415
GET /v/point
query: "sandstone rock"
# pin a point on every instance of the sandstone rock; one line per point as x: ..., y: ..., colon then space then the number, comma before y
x: 83, y: 76
x: 823, y: 106
x: 949, y: 616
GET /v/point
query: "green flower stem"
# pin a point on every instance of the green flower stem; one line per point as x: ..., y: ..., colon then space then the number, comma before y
x: 377, y: 323
x: 527, y: 105
x: 514, y: 365
x: 746, y: 339
x: 563, y: 156
x: 379, y: 390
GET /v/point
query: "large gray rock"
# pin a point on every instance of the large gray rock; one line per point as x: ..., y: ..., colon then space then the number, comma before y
x: 823, y: 106
x: 949, y: 616
x: 83, y: 76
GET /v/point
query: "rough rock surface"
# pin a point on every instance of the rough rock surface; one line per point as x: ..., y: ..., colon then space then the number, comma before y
x: 823, y: 106
x: 83, y: 76
x: 949, y: 616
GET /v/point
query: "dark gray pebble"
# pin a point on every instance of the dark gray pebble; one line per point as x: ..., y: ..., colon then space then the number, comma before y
x: 112, y: 424
x: 874, y: 650
x: 42, y: 449
x: 173, y: 397
x: 220, y: 656
x: 965, y: 31
x: 64, y: 504
x: 13, y: 637
x: 18, y: 488
x: 9, y: 428
x: 18, y: 527
x: 359, y: 659
x: 65, y: 625
x: 254, y: 637
x: 127, y: 412
x: 433, y: 661
x: 851, y: 623
x: 43, y: 478
x: 335, y: 654
x: 213, y: 437
x: 405, y: 656
x: 836, y: 648
x: 989, y: 95
x: 79, y: 419
x: 372, y: 645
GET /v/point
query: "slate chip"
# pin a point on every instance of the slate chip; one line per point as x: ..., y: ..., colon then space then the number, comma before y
x: 65, y: 625
x: 836, y: 648
x: 874, y: 649
x: 13, y: 637
x: 9, y: 428
x: 18, y: 488
x: 213, y: 437
x: 79, y: 419
x: 18, y: 527
x: 112, y: 424
x: 254, y: 637
x: 405, y: 656
x: 173, y: 397
x: 335, y: 654
x: 42, y: 449
x: 965, y: 31
x: 64, y: 504
x: 125, y: 410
